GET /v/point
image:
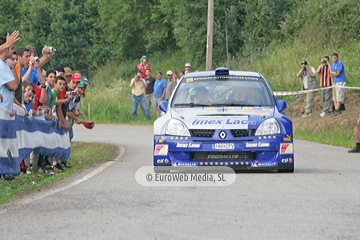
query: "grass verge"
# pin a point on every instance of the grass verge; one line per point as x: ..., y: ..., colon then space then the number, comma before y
x: 338, y: 137
x: 82, y: 155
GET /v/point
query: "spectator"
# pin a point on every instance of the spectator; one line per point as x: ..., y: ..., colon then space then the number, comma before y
x: 12, y: 64
x: 150, y: 80
x: 171, y: 84
x: 23, y: 55
x: 28, y: 72
x: 308, y: 80
x: 356, y: 149
x: 337, y: 71
x: 23, y: 58
x: 181, y: 73
x: 142, y: 66
x: 50, y: 83
x: 8, y: 82
x: 62, y: 104
x: 176, y: 77
x: 72, y: 92
x: 138, y: 86
x: 59, y: 71
x: 32, y: 51
x: 325, y: 81
x: 159, y: 92
x: 187, y: 68
x: 67, y: 74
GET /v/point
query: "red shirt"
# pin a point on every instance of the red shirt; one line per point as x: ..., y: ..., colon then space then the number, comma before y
x: 37, y: 90
x: 142, y: 68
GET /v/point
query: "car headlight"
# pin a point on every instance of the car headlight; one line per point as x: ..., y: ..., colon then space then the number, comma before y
x: 177, y: 128
x: 268, y: 127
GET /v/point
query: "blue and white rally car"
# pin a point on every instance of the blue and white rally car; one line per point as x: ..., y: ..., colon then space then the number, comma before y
x: 224, y: 118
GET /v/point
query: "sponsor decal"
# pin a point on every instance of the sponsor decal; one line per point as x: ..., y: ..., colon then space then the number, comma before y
x: 221, y: 156
x: 184, y: 164
x: 189, y: 79
x: 253, y: 112
x: 162, y: 161
x: 260, y: 144
x: 226, y: 77
x: 263, y: 164
x: 286, y: 148
x: 188, y: 145
x: 223, y: 146
x: 161, y: 149
x: 286, y: 160
x: 226, y: 122
x: 287, y: 139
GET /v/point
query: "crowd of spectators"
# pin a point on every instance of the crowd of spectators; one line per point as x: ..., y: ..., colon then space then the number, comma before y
x: 148, y: 92
x: 52, y: 94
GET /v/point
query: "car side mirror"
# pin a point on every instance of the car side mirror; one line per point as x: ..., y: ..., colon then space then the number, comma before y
x: 281, y: 105
x: 164, y: 106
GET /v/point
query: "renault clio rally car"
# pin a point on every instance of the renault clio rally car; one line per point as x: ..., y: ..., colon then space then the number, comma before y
x: 224, y: 118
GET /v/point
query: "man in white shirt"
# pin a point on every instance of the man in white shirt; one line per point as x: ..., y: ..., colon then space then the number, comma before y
x: 8, y: 83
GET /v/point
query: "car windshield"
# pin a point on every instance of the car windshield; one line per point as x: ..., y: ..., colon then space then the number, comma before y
x: 229, y: 91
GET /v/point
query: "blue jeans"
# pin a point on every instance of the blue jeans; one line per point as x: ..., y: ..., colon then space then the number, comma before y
x: 134, y: 105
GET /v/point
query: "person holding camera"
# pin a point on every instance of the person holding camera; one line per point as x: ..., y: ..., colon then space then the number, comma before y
x: 325, y: 81
x: 138, y: 86
x: 142, y: 66
x: 308, y: 79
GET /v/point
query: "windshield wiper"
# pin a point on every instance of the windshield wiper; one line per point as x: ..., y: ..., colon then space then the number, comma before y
x: 191, y: 105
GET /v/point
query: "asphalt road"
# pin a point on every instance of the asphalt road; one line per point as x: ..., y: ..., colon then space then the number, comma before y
x: 321, y: 200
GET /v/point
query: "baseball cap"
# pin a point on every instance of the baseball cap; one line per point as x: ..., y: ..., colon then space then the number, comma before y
x: 143, y: 56
x: 304, y: 62
x: 187, y: 65
x: 81, y: 84
x: 75, y: 77
x: 169, y: 72
x: 68, y: 71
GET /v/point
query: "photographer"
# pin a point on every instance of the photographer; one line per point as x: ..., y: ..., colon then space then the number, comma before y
x: 325, y: 81
x: 138, y: 86
x: 142, y: 66
x: 308, y: 80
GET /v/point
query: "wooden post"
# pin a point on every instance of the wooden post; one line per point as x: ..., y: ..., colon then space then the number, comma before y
x: 89, y: 116
x: 209, y: 44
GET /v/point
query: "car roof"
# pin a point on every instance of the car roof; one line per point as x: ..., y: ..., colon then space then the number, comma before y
x: 212, y: 73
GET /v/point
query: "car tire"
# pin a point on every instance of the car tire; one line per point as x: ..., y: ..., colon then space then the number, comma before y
x: 289, y: 169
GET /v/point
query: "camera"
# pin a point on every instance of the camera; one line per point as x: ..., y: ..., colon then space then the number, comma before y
x: 323, y: 61
x: 71, y: 94
x: 36, y: 58
x: 51, y: 51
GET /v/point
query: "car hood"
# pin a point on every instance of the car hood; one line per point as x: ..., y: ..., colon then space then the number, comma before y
x: 222, y: 117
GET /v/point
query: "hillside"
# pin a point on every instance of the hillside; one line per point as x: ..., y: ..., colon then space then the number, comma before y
x: 335, y: 130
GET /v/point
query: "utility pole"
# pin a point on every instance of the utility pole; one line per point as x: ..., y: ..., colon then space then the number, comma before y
x: 209, y: 43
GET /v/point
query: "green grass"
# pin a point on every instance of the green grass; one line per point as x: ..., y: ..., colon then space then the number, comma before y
x: 82, y: 154
x: 332, y: 136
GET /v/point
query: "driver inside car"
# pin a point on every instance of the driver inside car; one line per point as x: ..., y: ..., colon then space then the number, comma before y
x: 243, y: 96
x: 200, y: 96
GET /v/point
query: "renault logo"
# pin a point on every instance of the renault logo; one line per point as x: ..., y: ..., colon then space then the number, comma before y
x: 222, y: 134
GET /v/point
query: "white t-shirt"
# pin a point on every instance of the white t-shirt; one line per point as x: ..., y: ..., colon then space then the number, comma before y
x: 5, y: 77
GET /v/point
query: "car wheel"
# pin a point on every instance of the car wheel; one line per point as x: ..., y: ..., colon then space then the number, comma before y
x: 289, y: 169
